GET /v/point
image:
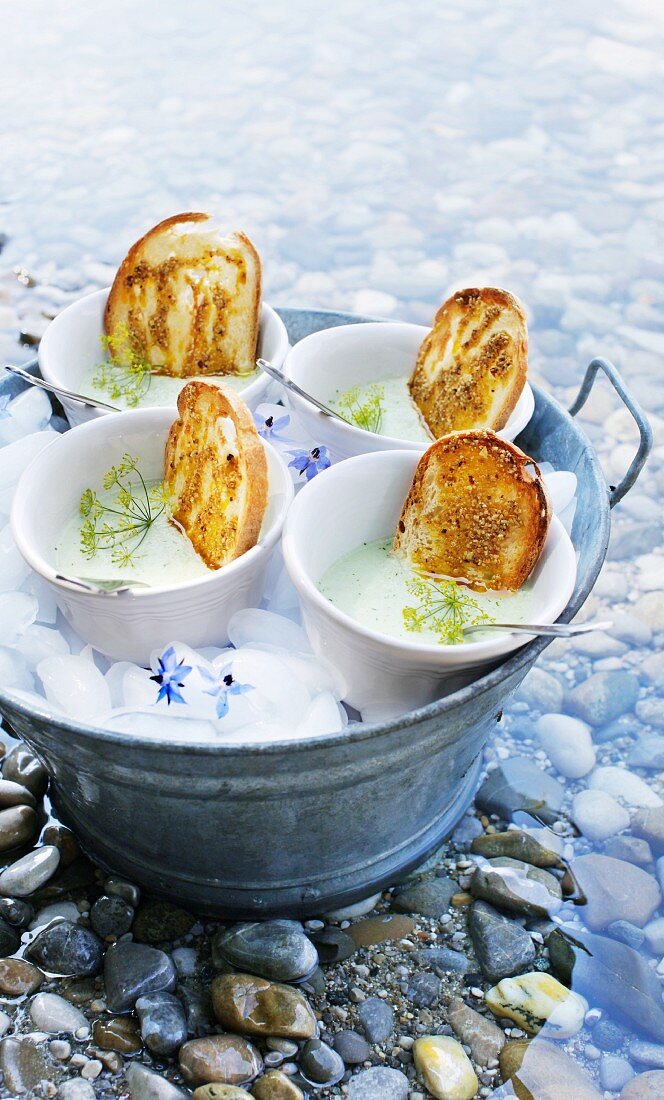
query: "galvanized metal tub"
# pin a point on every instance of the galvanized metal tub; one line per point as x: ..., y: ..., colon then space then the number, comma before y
x: 301, y: 827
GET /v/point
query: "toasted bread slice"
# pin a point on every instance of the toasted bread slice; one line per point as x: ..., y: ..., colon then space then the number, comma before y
x: 216, y: 472
x: 477, y: 511
x: 190, y: 298
x: 471, y: 368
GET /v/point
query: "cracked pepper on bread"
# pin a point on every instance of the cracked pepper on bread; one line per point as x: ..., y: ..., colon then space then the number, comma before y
x: 471, y: 367
x: 477, y: 511
x: 190, y: 297
x: 216, y: 472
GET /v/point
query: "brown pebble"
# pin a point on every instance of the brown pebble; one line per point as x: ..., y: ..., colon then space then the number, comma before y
x: 255, y: 1006
x: 222, y: 1059
x: 15, y: 794
x: 538, y: 1070
x: 65, y: 841
x: 459, y: 901
x: 22, y: 766
x: 216, y: 1091
x: 18, y: 977
x: 373, y: 930
x: 119, y: 1033
x: 18, y: 825
x: 275, y: 1085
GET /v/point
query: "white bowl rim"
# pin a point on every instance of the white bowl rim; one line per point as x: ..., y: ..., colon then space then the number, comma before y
x: 47, y: 570
x: 488, y: 647
x: 328, y: 334
x: 59, y: 378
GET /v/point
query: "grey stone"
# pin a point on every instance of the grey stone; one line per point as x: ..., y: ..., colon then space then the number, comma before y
x: 16, y: 912
x: 647, y: 752
x: 468, y: 828
x: 54, y: 1014
x: 163, y: 1023
x: 654, y: 933
x: 378, y: 1083
x: 626, y: 932
x: 22, y: 766
x: 649, y: 824
x: 333, y: 945
x: 629, y: 540
x: 353, y: 1048
x: 502, y: 946
x: 22, y: 1065
x: 541, y: 691
x: 10, y: 940
x: 614, y: 1072
x: 377, y: 1019
x: 320, y: 1064
x: 133, y: 969
x: 651, y: 712
x: 516, y: 886
x: 111, y: 915
x: 76, y: 1089
x: 649, y: 1054
x: 604, y: 697
x: 146, y: 1085
x: 423, y: 990
x: 443, y: 960
x: 430, y: 898
x: 631, y: 848
x: 482, y: 1035
x: 67, y: 948
x: 607, y: 1035
x: 29, y: 873
x: 276, y: 949
x: 519, y: 785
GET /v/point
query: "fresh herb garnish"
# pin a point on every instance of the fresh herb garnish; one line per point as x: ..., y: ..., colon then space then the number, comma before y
x: 120, y: 523
x: 367, y: 413
x: 125, y: 373
x: 444, y: 607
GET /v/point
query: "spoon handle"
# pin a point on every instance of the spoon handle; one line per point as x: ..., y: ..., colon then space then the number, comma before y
x: 552, y: 630
x: 288, y: 383
x: 59, y: 391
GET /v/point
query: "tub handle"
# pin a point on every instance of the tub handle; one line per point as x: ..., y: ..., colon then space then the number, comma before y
x: 617, y: 492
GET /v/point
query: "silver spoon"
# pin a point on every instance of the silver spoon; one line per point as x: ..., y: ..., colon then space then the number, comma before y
x: 101, y: 587
x: 280, y: 377
x: 552, y: 630
x: 59, y: 391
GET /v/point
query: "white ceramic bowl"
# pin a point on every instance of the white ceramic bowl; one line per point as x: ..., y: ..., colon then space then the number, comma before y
x: 71, y: 344
x: 130, y: 625
x: 336, y: 359
x: 359, y: 501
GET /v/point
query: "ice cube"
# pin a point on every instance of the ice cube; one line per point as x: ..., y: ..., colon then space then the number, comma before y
x: 14, y: 670
x: 40, y: 642
x: 253, y: 625
x: 35, y: 702
x: 17, y: 612
x: 13, y: 568
x: 324, y: 716
x: 159, y: 725
x: 77, y: 686
x: 15, y: 457
x: 254, y: 733
x: 34, y: 585
x: 31, y: 411
x: 277, y: 694
x: 316, y: 673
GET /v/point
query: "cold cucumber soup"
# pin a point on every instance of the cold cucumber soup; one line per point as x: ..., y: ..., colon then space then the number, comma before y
x: 124, y: 532
x: 379, y: 590
x: 384, y: 407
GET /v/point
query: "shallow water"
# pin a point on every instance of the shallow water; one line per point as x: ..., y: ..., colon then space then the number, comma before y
x: 380, y: 156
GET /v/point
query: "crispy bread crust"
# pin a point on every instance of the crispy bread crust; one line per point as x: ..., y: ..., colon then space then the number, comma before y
x: 471, y: 367
x: 216, y: 473
x: 477, y: 511
x: 144, y: 297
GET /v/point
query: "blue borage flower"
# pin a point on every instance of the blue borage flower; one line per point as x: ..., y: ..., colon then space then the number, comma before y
x: 310, y: 463
x: 223, y: 684
x: 4, y: 411
x: 170, y: 677
x: 270, y: 428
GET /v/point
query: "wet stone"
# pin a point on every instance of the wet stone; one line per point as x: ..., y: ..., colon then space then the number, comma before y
x: 423, y: 990
x: 604, y: 697
x: 10, y: 939
x: 627, y: 933
x: 353, y: 1048
x: 67, y: 948
x: 430, y: 898
x: 516, y: 886
x: 649, y: 1054
x: 76, y: 1089
x: 22, y: 1064
x: 78, y: 876
x: 119, y: 1033
x: 482, y: 1035
x: 163, y: 1023
x: 517, y: 845
x: 445, y: 1067
x: 124, y: 889
x: 502, y: 946
x: 377, y: 1019
x: 16, y: 912
x: 30, y: 872
x: 65, y: 841
x: 160, y: 921
x: 54, y: 1014
x: 146, y: 1085
x: 607, y: 1035
x: 373, y: 930
x: 255, y: 1006
x: 649, y: 824
x: 220, y: 1092
x: 18, y: 978
x: 111, y: 916
x: 614, y: 1072
x: 535, y: 999
x: 132, y: 970
x: 227, y: 1059
x: 443, y: 960
x: 278, y: 950
x: 22, y: 766
x: 614, y: 890
x: 518, y: 785
x: 275, y: 1085
x: 543, y: 1070
x: 78, y: 990
x: 378, y: 1083
x: 645, y: 1086
x: 320, y: 1064
x: 333, y: 945
x: 15, y: 794
x: 631, y: 848
x: 18, y: 825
